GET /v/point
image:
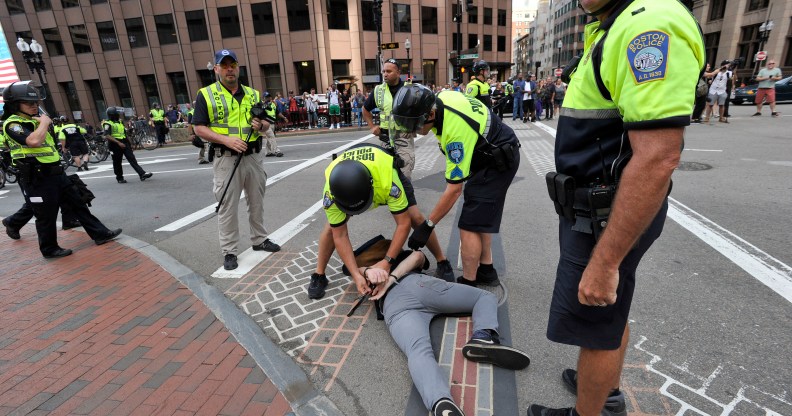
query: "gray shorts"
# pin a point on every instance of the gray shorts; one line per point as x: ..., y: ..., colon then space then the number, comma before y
x: 720, y: 99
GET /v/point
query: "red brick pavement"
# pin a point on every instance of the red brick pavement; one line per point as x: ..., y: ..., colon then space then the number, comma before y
x: 108, y: 331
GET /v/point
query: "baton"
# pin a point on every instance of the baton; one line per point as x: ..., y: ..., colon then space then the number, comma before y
x: 233, y: 171
x: 360, y: 300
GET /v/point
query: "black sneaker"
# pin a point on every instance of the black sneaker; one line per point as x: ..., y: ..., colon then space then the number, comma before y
x: 122, y: 180
x: 60, y: 252
x: 462, y: 281
x: 145, y: 176
x: 316, y: 289
x: 70, y: 225
x: 85, y: 167
x: 279, y: 154
x: 615, y: 405
x: 270, y: 154
x: 445, y: 272
x: 446, y: 407
x: 487, y: 277
x: 113, y: 234
x: 230, y: 262
x: 267, y: 245
x: 539, y: 410
x: 485, y: 347
x: 11, y: 232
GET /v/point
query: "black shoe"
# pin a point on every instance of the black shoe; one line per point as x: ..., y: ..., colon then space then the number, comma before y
x: 122, y: 180
x: 445, y: 407
x: 61, y: 252
x: 145, y: 176
x: 70, y: 225
x: 230, y: 262
x: 85, y: 167
x: 445, y: 271
x: 316, y: 289
x: 615, y: 405
x: 484, y: 347
x: 79, y: 168
x: 269, y: 155
x: 462, y: 281
x: 279, y: 154
x: 487, y: 277
x: 203, y: 162
x: 11, y: 232
x: 539, y: 410
x: 113, y: 234
x: 267, y: 245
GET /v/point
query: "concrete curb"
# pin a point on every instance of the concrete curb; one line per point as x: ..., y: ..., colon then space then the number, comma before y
x: 284, y: 373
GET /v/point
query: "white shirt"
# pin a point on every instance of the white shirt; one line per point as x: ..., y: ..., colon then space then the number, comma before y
x: 718, y: 85
x: 332, y: 97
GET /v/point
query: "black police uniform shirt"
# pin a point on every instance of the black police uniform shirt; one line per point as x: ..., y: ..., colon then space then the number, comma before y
x: 371, y: 103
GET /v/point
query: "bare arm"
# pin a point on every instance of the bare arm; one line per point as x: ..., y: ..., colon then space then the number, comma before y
x: 400, y: 235
x: 446, y: 202
x: 375, y: 130
x: 344, y: 249
x: 39, y: 136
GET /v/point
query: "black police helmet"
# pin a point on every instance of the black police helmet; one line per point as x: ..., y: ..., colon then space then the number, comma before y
x: 22, y: 91
x: 479, y: 66
x: 352, y: 186
x: 411, y: 107
x: 113, y: 113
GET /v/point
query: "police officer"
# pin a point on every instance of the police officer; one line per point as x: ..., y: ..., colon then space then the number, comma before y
x: 628, y: 114
x: 222, y: 116
x: 361, y: 178
x: 43, y: 183
x: 271, y: 113
x: 72, y: 137
x: 477, y: 88
x: 482, y: 155
x: 115, y: 133
x: 157, y: 116
x: 382, y: 98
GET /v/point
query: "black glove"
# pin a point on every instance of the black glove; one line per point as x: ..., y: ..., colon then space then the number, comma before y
x: 419, y: 236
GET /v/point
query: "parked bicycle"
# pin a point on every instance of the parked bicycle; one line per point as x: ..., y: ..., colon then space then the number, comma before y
x: 142, y: 136
x: 97, y: 148
x: 8, y: 172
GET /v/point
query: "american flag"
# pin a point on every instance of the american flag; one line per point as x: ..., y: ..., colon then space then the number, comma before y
x: 8, y: 72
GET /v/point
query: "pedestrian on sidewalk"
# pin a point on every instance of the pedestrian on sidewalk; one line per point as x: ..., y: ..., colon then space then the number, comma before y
x: 115, y: 133
x: 228, y: 133
x: 311, y: 108
x: 519, y: 86
x: 767, y: 78
x: 44, y: 184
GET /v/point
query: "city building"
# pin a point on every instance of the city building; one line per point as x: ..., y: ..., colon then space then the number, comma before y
x: 133, y: 53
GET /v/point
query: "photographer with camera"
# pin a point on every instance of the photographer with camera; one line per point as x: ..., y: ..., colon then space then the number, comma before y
x: 235, y: 133
x: 718, y: 94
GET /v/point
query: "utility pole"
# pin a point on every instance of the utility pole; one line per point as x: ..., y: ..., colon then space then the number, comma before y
x: 378, y: 22
x: 458, y: 19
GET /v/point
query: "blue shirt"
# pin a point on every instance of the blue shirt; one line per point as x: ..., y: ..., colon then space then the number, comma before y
x: 519, y: 86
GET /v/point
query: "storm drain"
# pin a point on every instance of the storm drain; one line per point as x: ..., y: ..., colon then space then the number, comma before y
x: 693, y: 166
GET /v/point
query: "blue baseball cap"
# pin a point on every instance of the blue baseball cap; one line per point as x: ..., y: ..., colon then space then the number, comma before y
x: 222, y: 54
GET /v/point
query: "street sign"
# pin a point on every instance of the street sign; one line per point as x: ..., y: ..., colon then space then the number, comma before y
x: 558, y: 72
x: 390, y: 45
x: 761, y: 56
x: 469, y: 56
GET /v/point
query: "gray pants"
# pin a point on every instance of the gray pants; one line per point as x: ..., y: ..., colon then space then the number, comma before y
x: 250, y: 177
x: 270, y: 145
x: 410, y: 307
x: 405, y: 148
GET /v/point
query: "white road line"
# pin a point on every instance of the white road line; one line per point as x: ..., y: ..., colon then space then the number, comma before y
x: 159, y: 172
x: 109, y: 167
x: 313, y: 143
x: 250, y: 258
x: 198, y: 215
x: 763, y: 267
x: 703, y: 150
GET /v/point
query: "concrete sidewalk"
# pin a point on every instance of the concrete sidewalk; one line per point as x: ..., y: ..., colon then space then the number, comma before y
x: 108, y: 330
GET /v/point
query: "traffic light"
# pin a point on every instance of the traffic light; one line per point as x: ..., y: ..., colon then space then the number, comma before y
x: 462, y: 69
x: 469, y: 5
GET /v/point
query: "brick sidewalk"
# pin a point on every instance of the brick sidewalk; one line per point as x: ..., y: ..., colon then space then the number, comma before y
x: 108, y: 331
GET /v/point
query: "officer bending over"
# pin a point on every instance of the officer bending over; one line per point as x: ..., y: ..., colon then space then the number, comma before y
x: 115, y: 133
x: 72, y: 137
x: 482, y: 156
x: 41, y: 177
x: 365, y: 177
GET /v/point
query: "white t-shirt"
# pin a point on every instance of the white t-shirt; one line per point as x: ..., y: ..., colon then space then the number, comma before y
x: 332, y: 97
x: 718, y: 85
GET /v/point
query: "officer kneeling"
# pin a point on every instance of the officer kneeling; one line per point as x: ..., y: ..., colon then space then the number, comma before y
x: 44, y: 184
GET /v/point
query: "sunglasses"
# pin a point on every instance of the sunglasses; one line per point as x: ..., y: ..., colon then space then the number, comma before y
x: 224, y: 65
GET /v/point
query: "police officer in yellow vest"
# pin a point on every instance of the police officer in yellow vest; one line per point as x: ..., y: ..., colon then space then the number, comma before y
x: 271, y: 113
x: 72, y: 137
x: 626, y: 108
x: 157, y: 116
x: 478, y: 88
x: 382, y: 98
x: 482, y: 156
x: 41, y: 177
x: 222, y: 117
x: 115, y: 133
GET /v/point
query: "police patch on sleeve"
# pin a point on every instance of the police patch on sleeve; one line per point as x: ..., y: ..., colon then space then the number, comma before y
x: 327, y: 201
x: 395, y: 191
x: 16, y: 128
x: 648, y: 56
x: 455, y: 152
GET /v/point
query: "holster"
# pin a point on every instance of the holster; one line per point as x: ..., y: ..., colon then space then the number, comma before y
x: 211, y: 152
x: 503, y: 156
x: 26, y: 172
x: 562, y: 192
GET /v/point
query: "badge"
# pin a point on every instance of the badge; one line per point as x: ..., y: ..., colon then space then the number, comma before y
x: 395, y: 191
x: 648, y: 56
x: 16, y: 128
x: 327, y: 201
x: 455, y: 152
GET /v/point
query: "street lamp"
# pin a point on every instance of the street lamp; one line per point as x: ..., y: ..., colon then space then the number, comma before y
x: 32, y: 54
x: 559, y: 46
x: 407, y: 46
x: 764, y: 34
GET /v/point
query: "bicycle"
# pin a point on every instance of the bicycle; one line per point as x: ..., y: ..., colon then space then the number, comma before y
x: 10, y: 172
x: 97, y: 148
x: 141, y: 137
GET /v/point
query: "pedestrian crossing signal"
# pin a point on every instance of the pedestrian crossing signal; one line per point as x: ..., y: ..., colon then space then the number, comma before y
x: 390, y: 45
x: 462, y: 69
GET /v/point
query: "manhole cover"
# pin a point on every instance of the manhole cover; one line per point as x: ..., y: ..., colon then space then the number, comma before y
x: 693, y: 166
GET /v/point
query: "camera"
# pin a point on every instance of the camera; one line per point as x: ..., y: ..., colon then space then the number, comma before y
x: 257, y: 110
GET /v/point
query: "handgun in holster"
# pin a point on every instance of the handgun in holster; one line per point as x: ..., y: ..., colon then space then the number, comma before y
x: 211, y: 152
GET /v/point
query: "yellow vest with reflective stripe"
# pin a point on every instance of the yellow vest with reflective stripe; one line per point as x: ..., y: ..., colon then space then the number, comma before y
x: 47, y: 153
x: 158, y: 114
x: 117, y: 129
x: 231, y: 121
x: 384, y: 101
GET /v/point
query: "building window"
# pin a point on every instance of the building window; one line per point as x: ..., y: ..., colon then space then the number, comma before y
x: 501, y: 17
x: 428, y: 19
x: 166, y: 30
x: 196, y: 25
x: 749, y: 43
x: 107, y: 36
x: 401, y: 18
x: 136, y: 32
x: 95, y: 89
x: 179, y: 84
x: 207, y: 77
x: 229, y: 22
x: 501, y: 43
x: 472, y: 14
x: 53, y: 41
x: 456, y: 41
x: 263, y: 20
x: 243, y: 75
x: 15, y: 7
x: 371, y: 67
x: 788, y: 59
x: 337, y: 14
x: 272, y: 79
x: 98, y: 1
x: 297, y: 12
x: 488, y: 16
x: 430, y: 71
x: 757, y: 4
x: 487, y: 42
x: 340, y: 67
x: 122, y: 87
x: 717, y: 9
x: 41, y: 5
x: 150, y: 89
x: 472, y: 40
x: 79, y: 38
x: 711, y: 41
x: 70, y: 3
x: 70, y: 92
x: 367, y: 13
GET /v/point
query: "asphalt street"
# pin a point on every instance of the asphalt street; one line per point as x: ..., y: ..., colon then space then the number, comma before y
x: 711, y: 322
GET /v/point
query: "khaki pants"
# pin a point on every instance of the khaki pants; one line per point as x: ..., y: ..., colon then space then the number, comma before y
x: 405, y: 148
x: 250, y: 177
x: 270, y: 145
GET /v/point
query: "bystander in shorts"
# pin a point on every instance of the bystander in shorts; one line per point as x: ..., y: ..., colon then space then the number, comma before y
x: 766, y: 94
x: 334, y: 110
x: 719, y: 99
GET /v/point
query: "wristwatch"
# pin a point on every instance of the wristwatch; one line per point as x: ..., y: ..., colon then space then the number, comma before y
x: 389, y: 259
x: 430, y: 223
